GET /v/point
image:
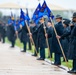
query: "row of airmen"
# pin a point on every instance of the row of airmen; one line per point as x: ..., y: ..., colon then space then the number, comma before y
x: 66, y: 33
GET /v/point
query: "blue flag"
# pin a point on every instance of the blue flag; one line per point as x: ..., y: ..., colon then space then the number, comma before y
x: 27, y: 18
x: 27, y: 15
x: 43, y: 11
x: 22, y: 16
x: 36, y: 12
x: 46, y: 10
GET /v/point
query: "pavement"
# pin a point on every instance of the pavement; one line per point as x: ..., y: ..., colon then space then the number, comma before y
x: 14, y: 62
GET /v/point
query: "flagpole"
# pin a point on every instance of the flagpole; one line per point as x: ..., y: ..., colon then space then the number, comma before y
x: 60, y: 45
x: 31, y: 39
x: 49, y: 52
x: 47, y: 44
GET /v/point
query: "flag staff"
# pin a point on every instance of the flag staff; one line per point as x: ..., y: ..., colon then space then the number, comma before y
x: 31, y: 39
x: 60, y: 44
x: 49, y: 52
x: 28, y: 28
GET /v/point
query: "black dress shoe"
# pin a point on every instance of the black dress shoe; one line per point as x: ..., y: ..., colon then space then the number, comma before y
x: 3, y: 42
x: 40, y: 59
x: 56, y: 64
x: 23, y: 51
x: 11, y: 46
x: 72, y: 71
x: 34, y: 55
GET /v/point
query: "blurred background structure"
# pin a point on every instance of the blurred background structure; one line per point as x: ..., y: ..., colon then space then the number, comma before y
x: 63, y: 8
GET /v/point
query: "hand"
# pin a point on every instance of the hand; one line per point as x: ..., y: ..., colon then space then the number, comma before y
x: 30, y: 34
x: 20, y: 26
x: 6, y: 24
x: 30, y: 37
x: 46, y: 35
x: 71, y: 25
x: 58, y: 37
x: 16, y: 32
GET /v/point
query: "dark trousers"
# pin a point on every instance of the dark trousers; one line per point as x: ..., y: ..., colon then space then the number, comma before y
x: 57, y: 59
x: 29, y: 45
x: 0, y: 37
x: 24, y: 48
x: 3, y: 39
x: 50, y: 49
x: 74, y: 64
x: 42, y: 52
x: 66, y: 55
x: 36, y: 51
x: 13, y: 43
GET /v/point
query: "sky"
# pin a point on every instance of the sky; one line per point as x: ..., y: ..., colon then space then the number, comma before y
x: 69, y: 4
x: 66, y: 4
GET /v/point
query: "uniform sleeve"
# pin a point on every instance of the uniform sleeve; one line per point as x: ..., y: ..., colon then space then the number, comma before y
x: 59, y: 29
x: 74, y: 32
x: 49, y: 32
x: 67, y: 33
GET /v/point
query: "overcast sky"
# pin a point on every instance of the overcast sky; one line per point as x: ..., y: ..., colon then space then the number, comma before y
x: 70, y: 4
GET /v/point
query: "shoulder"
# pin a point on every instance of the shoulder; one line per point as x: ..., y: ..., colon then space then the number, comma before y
x: 60, y: 23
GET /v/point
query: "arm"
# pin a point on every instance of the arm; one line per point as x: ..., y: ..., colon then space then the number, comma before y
x: 49, y: 32
x: 74, y: 32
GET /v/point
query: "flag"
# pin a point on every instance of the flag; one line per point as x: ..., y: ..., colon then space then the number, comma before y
x: 45, y: 10
x: 27, y: 15
x: 36, y: 12
x: 22, y: 16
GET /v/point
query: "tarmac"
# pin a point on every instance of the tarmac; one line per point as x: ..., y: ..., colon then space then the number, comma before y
x: 14, y: 62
